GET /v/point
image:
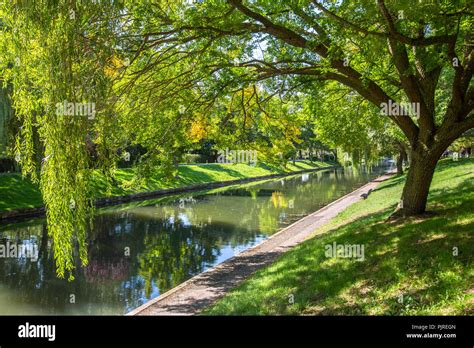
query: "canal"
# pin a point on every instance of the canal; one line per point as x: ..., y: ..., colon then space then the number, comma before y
x: 140, y: 250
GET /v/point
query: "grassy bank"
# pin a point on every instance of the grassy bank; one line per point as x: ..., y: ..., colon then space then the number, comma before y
x: 419, y: 266
x: 17, y: 192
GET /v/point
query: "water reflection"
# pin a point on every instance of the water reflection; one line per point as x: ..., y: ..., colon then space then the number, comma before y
x: 138, y: 252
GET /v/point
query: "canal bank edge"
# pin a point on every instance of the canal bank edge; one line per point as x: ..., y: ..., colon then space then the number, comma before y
x: 24, y: 213
x: 200, y: 291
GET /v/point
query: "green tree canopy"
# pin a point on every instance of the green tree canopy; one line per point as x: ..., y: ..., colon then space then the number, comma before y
x: 143, y: 61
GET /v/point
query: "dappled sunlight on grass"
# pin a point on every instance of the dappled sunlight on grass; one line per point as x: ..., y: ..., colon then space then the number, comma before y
x: 416, y: 266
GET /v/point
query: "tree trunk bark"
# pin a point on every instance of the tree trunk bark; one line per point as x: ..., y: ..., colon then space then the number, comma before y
x: 400, y: 163
x: 402, y: 156
x: 335, y: 154
x: 176, y: 166
x: 417, y: 185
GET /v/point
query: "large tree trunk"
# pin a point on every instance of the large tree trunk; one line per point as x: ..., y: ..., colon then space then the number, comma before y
x: 417, y: 185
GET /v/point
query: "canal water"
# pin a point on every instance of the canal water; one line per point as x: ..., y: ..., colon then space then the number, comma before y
x: 140, y: 250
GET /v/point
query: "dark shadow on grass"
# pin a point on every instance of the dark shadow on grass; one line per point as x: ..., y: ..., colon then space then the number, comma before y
x: 396, y: 254
x: 393, y: 182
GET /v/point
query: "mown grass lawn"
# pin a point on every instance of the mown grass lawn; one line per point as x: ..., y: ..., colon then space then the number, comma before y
x: 17, y: 192
x: 417, y: 266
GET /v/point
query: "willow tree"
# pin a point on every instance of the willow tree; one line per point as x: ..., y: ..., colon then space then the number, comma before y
x: 403, y: 51
x: 57, y: 55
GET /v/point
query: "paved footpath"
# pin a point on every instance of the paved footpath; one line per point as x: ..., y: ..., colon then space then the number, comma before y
x: 199, y: 292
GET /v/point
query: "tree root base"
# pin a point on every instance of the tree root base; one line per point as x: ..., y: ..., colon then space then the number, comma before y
x: 399, y: 214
